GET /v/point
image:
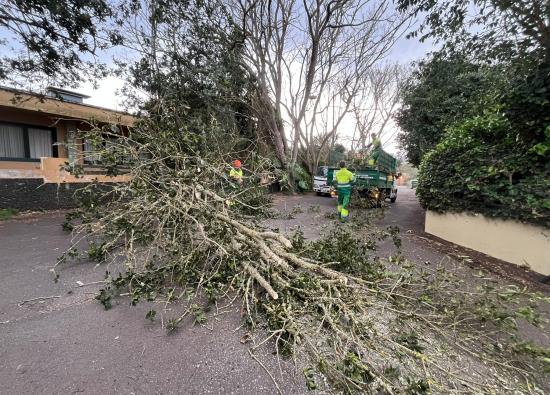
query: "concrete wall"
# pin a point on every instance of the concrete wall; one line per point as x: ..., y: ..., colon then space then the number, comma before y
x: 14, y: 169
x: 49, y: 170
x: 52, y: 172
x: 511, y: 241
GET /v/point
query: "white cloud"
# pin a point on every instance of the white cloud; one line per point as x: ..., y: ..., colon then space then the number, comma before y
x: 106, y: 94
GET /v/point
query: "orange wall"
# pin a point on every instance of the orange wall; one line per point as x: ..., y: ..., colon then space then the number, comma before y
x: 52, y: 171
x: 8, y: 164
x: 12, y: 169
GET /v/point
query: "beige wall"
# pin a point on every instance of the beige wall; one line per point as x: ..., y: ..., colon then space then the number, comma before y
x: 13, y: 169
x: 52, y: 172
x: 511, y: 241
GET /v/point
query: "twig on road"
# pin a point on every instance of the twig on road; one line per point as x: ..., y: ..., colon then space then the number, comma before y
x: 267, y: 371
x: 39, y: 298
x: 81, y: 284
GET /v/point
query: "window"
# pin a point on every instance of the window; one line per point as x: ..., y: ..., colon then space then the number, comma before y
x: 92, y: 155
x: 322, y: 171
x: 40, y: 143
x: 25, y: 142
x: 72, y: 150
x: 12, y: 141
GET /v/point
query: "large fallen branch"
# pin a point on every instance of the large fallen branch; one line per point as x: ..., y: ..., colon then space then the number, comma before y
x: 368, y: 325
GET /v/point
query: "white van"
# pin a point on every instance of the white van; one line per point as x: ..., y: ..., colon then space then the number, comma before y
x: 320, y: 181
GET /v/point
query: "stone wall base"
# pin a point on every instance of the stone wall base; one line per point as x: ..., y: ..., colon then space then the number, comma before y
x: 34, y: 194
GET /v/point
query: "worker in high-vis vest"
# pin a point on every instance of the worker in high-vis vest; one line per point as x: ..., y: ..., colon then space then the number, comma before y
x: 376, y: 145
x: 236, y: 172
x: 344, y: 179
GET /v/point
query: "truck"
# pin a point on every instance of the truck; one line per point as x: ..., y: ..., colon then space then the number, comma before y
x: 320, y: 185
x: 373, y: 179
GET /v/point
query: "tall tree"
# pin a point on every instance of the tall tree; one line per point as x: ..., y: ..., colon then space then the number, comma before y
x: 493, y: 29
x: 375, y: 105
x: 189, y: 69
x: 307, y: 54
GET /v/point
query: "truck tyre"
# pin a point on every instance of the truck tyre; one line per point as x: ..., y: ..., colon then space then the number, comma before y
x: 393, y: 199
x: 319, y: 193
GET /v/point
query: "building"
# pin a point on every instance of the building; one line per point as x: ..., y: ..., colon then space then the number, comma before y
x: 39, y: 134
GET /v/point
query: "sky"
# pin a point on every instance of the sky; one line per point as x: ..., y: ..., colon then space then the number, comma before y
x: 106, y: 93
x: 405, y: 51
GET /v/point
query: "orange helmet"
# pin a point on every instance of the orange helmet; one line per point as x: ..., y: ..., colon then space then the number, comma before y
x: 237, y: 163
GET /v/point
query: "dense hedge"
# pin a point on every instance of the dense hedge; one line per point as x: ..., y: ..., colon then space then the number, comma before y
x: 482, y: 166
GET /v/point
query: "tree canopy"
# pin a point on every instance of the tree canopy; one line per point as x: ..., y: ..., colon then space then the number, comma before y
x: 191, y: 67
x: 441, y: 91
x: 57, y: 40
x: 476, y: 116
x: 492, y: 30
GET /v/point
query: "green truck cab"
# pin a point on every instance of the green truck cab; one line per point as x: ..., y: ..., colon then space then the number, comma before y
x: 374, y: 179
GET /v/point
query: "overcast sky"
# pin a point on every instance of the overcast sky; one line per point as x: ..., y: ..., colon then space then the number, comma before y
x: 405, y: 51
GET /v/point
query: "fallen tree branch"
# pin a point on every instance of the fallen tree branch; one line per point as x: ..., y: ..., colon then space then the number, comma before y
x: 174, y: 236
x: 262, y: 281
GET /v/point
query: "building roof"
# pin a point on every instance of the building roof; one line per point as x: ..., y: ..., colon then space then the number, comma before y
x: 54, y: 89
x: 30, y: 101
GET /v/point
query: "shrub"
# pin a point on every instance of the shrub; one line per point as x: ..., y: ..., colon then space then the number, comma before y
x: 482, y: 165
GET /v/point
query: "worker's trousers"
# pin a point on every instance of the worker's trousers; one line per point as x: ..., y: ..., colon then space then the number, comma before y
x: 344, y: 195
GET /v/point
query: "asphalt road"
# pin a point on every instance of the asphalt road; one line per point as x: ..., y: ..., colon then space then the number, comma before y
x: 68, y: 344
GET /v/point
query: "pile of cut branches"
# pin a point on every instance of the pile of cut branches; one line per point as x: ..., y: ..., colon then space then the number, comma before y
x: 181, y: 227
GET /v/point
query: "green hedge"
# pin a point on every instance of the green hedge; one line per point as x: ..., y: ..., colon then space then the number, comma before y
x: 483, y: 166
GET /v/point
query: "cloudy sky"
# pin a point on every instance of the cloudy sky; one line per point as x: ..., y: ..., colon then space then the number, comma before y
x: 405, y: 51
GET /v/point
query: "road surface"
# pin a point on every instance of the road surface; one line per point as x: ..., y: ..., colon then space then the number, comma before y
x: 55, y: 338
x: 67, y: 343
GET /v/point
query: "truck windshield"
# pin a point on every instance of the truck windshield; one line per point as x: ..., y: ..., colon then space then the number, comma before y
x: 322, y: 171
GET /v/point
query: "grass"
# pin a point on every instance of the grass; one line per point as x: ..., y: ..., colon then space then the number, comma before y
x: 7, y: 213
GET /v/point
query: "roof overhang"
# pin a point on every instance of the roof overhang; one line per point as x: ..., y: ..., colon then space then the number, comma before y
x: 17, y: 99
